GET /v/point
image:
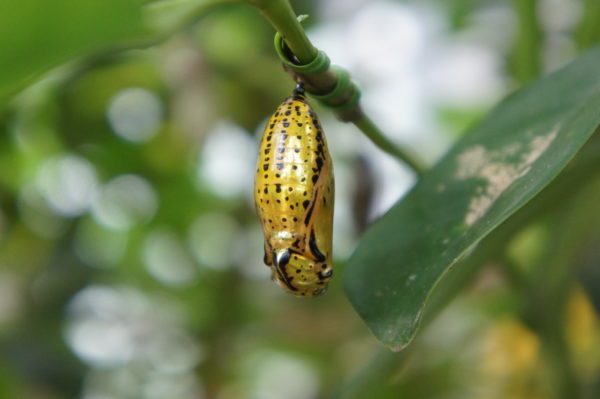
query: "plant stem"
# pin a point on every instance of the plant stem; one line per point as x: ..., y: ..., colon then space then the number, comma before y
x: 366, y: 125
x: 280, y: 14
x: 588, y: 32
x: 525, y: 58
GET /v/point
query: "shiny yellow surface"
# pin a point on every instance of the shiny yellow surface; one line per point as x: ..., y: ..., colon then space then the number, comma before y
x: 294, y: 192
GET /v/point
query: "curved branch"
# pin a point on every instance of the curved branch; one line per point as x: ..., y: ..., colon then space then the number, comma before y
x: 330, y: 85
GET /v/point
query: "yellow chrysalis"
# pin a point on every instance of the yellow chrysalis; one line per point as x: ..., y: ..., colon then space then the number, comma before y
x: 294, y: 192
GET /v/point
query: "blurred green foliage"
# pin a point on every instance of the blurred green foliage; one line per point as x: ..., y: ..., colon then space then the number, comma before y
x: 130, y: 255
x: 37, y: 36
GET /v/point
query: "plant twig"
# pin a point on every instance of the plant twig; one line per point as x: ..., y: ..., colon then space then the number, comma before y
x: 366, y: 125
x: 280, y: 14
x: 525, y: 57
x: 331, y: 85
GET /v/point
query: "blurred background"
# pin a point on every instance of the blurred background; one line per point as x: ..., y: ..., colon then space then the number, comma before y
x: 131, y: 256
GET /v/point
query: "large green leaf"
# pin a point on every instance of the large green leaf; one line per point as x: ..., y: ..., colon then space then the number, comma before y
x: 506, y: 160
x: 36, y: 35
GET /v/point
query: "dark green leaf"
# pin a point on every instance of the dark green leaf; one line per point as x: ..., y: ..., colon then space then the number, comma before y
x: 506, y: 160
x: 37, y: 35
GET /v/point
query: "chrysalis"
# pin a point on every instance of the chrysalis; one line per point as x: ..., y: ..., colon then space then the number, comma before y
x: 294, y: 192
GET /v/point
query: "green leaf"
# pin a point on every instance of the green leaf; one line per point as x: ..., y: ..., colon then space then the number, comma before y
x: 506, y: 160
x: 38, y: 35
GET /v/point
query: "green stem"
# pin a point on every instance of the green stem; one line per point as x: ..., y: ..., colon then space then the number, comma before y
x: 587, y: 33
x: 525, y: 58
x: 366, y: 125
x: 280, y: 14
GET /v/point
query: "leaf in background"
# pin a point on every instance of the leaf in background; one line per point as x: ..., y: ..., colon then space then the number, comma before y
x: 506, y: 160
x: 166, y: 16
x: 37, y: 35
